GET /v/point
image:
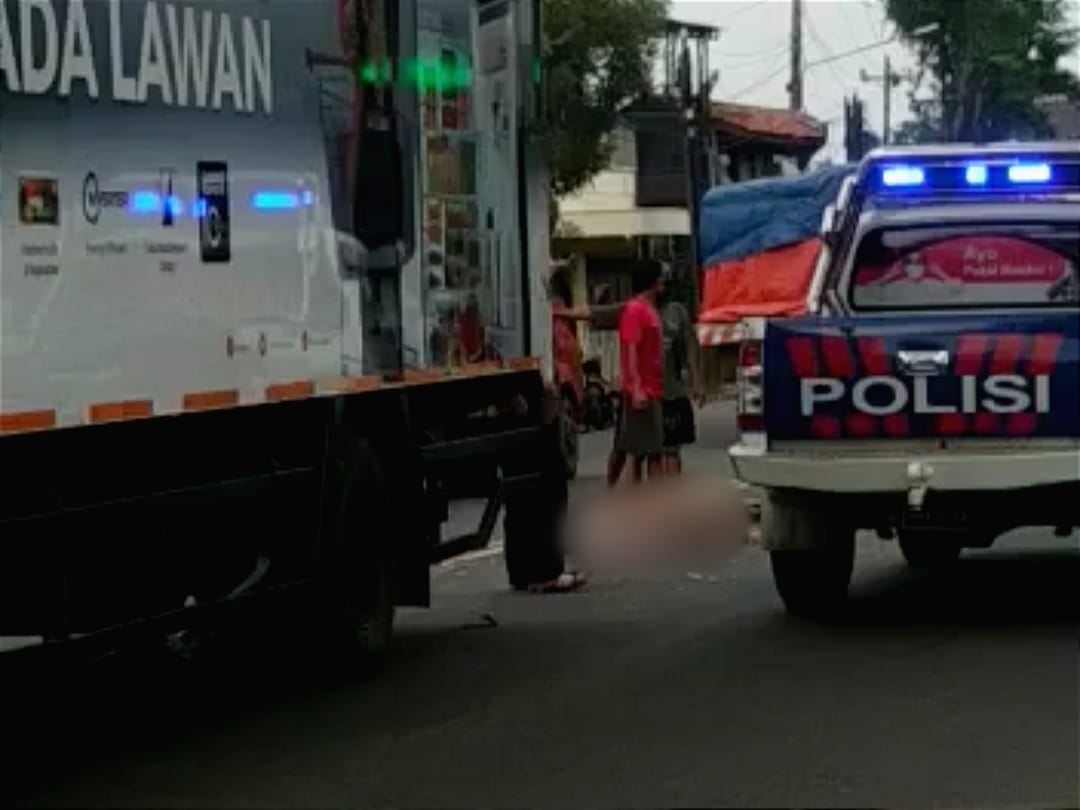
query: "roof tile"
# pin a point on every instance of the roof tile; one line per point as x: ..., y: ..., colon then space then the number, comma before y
x: 769, y: 122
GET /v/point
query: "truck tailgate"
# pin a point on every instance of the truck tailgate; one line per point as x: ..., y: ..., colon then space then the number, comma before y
x: 923, y: 376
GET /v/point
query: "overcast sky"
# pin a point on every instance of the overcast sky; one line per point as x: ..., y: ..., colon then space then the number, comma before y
x: 752, y: 56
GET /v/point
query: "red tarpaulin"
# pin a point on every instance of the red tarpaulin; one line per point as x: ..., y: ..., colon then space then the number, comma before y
x: 768, y: 284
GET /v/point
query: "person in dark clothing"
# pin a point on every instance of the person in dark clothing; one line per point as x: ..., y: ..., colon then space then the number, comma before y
x: 682, y: 380
x: 533, y: 524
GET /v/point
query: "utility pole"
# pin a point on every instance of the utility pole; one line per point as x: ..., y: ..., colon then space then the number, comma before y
x: 886, y: 111
x: 854, y: 133
x: 795, y: 86
x: 693, y: 85
x: 888, y: 80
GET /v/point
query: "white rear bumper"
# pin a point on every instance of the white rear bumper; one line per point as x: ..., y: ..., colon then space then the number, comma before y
x: 900, y: 470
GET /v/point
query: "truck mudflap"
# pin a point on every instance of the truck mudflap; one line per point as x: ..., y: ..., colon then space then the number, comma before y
x: 921, y: 376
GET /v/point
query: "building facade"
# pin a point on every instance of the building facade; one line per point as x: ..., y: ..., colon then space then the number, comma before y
x: 638, y: 207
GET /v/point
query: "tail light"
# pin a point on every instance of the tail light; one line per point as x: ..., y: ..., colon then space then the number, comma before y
x: 749, y: 379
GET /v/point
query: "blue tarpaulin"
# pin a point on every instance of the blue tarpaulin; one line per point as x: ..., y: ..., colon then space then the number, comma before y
x: 742, y: 219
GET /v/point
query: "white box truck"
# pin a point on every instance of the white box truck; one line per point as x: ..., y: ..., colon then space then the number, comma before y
x: 216, y: 380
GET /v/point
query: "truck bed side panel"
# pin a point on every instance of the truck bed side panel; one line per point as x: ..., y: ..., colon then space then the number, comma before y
x: 109, y: 293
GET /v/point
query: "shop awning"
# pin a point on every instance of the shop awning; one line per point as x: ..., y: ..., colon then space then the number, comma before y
x: 625, y: 223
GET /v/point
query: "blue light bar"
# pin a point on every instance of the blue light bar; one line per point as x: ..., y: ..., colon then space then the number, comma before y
x: 976, y: 175
x: 275, y: 200
x: 903, y: 176
x: 198, y: 207
x: 150, y: 202
x: 1030, y: 173
x: 144, y: 202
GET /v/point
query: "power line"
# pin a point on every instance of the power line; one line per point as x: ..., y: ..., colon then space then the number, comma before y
x: 843, y: 11
x: 750, y: 7
x: 814, y: 35
x: 866, y: 6
x: 759, y: 55
x: 759, y: 83
x: 845, y: 54
x: 738, y: 71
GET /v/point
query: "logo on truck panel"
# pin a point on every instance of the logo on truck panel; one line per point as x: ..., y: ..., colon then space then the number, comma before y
x: 212, y: 181
x: 95, y: 199
x: 988, y: 378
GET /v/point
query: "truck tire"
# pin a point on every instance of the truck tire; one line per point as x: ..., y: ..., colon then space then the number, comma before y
x: 813, y: 581
x: 930, y: 550
x: 366, y: 579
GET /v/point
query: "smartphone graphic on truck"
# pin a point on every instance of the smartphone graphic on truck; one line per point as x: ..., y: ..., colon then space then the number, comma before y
x: 213, y: 191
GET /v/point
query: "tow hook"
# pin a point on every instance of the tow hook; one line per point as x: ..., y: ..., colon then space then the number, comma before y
x: 919, y: 474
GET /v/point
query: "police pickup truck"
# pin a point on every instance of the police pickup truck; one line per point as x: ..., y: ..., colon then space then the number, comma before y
x: 933, y: 392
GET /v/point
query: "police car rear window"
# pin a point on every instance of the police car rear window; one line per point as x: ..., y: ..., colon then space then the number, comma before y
x: 1023, y: 265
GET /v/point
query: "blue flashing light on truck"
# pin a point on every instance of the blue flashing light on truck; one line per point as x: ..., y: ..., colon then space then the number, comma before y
x: 932, y: 392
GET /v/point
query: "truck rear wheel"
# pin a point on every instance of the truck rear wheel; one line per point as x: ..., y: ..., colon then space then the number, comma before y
x: 568, y: 434
x: 930, y: 550
x: 365, y: 581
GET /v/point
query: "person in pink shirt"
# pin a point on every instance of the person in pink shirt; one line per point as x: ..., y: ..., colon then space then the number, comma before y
x: 641, y: 364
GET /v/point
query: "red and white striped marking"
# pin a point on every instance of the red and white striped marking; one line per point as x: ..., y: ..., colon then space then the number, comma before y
x: 720, y: 334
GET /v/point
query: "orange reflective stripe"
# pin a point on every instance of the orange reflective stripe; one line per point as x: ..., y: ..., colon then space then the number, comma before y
x: 423, y: 375
x: 523, y: 363
x: 126, y: 409
x: 483, y: 367
x: 297, y: 389
x: 346, y: 385
x: 208, y: 400
x: 27, y: 420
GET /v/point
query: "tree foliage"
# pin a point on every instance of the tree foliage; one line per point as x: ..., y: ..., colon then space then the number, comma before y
x: 599, y: 55
x: 985, y: 65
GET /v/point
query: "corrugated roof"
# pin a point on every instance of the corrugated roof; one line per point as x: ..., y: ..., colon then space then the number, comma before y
x: 769, y: 122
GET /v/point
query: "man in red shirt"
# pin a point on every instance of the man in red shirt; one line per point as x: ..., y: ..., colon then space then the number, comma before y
x: 641, y: 359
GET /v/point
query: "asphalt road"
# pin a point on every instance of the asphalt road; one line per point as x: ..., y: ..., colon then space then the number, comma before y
x: 957, y: 690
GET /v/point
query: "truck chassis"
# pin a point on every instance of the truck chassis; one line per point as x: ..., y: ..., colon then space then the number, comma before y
x: 157, y: 525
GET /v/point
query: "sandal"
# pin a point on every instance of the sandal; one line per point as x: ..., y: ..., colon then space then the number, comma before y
x: 566, y: 582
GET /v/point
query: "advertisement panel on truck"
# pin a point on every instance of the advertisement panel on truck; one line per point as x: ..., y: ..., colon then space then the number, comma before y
x: 220, y: 193
x: 178, y: 184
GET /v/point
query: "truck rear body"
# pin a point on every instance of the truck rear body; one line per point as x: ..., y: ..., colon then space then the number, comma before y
x: 218, y: 371
x: 946, y: 315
